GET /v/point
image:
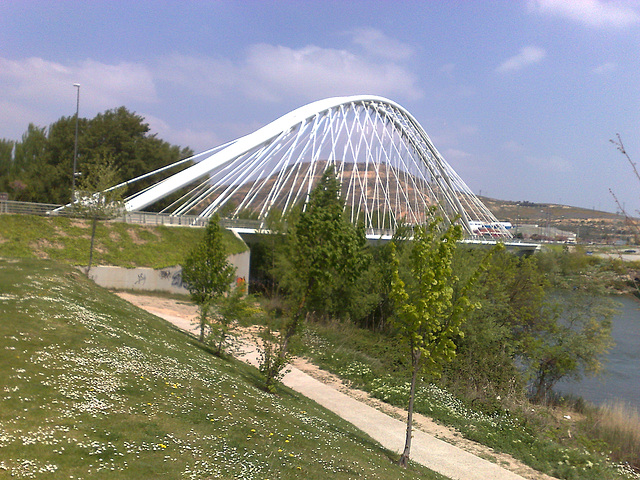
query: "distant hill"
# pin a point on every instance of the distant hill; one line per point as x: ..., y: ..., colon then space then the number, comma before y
x: 589, y: 224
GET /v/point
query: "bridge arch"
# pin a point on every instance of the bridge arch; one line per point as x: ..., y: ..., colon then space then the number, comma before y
x: 389, y: 169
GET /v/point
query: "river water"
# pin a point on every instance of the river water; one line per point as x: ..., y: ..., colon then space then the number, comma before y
x: 621, y: 376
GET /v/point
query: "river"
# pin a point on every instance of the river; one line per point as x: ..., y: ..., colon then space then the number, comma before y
x: 621, y: 376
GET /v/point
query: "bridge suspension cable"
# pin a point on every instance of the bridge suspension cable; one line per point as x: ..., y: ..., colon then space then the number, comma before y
x: 390, y: 171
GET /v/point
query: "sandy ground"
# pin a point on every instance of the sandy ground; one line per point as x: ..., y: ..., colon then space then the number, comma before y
x: 184, y: 315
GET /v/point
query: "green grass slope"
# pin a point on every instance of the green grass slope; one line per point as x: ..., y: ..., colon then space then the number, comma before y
x: 120, y: 244
x: 92, y: 387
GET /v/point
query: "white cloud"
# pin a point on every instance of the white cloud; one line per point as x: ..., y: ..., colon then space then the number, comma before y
x: 199, y: 75
x: 448, y: 69
x: 41, y: 91
x: 527, y: 56
x: 197, y: 139
x: 378, y: 44
x: 114, y: 85
x: 107, y: 85
x: 273, y: 72
x: 455, y: 154
x: 591, y: 13
x: 313, y: 72
x: 605, y: 68
x: 512, y: 146
x: 554, y: 164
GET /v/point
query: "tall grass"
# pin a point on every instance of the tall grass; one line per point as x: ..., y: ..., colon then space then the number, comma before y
x: 618, y: 424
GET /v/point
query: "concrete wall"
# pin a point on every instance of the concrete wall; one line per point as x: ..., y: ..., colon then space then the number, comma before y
x: 165, y: 280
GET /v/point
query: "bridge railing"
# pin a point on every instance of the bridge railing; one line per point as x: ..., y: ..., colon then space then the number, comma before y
x: 140, y: 218
x: 152, y: 218
x: 28, y: 208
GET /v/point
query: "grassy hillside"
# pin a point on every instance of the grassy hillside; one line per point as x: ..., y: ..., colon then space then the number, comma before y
x: 121, y: 244
x: 93, y: 387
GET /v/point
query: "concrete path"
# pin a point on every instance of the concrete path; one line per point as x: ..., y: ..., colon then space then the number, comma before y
x: 427, y: 450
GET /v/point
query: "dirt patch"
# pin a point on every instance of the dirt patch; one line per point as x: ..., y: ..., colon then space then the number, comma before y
x: 77, y: 222
x: 60, y: 232
x: 186, y: 311
x: 164, y: 306
x: 135, y: 238
x: 39, y: 248
x: 114, y: 236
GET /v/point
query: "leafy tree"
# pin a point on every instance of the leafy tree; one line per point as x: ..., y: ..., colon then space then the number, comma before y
x: 230, y: 308
x: 264, y: 254
x: 6, y: 162
x: 29, y: 174
x: 94, y: 198
x: 319, y: 268
x: 428, y: 314
x: 529, y: 330
x: 125, y: 137
x: 42, y: 165
x: 484, y: 367
x: 207, y: 272
x: 570, y: 341
x: 554, y: 333
x: 375, y: 285
x: 274, y: 351
x: 326, y: 256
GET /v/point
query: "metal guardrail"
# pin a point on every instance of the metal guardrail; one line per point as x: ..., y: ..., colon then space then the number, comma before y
x: 151, y: 218
x: 140, y: 218
x: 28, y: 208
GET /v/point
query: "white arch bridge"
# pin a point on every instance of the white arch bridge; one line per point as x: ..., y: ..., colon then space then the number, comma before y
x: 389, y: 170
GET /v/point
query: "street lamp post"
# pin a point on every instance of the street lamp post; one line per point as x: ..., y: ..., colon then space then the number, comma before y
x: 75, y: 146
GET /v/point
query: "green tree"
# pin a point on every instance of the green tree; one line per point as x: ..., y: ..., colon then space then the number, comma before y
x: 326, y: 255
x: 318, y: 269
x: 29, y: 174
x: 6, y: 163
x: 375, y: 284
x: 531, y: 331
x: 570, y: 341
x: 485, y: 365
x: 125, y: 137
x: 275, y: 350
x: 230, y: 309
x: 95, y: 199
x: 207, y: 272
x: 427, y: 313
x: 42, y: 166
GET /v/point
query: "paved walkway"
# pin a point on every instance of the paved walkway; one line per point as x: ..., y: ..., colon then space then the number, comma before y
x: 427, y: 450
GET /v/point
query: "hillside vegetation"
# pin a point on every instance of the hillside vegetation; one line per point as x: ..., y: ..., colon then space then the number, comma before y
x: 93, y: 387
x: 120, y: 244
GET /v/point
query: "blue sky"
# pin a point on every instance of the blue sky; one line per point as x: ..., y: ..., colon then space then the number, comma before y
x: 521, y: 97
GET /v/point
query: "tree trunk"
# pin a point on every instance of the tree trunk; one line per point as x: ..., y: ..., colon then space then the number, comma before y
x: 404, y: 458
x: 93, y: 236
x: 221, y: 342
x: 204, y: 312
